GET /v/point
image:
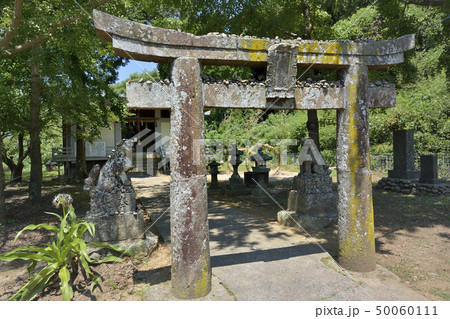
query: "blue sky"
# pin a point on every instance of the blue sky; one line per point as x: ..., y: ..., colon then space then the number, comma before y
x: 134, y: 66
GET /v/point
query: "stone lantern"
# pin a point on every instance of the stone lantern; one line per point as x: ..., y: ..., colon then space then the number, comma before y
x: 214, y: 170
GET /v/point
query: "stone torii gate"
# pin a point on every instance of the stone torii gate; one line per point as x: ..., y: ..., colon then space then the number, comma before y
x: 187, y: 97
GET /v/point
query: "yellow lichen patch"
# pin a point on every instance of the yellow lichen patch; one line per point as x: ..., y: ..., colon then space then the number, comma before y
x: 258, y: 57
x: 258, y: 46
x: 203, y: 284
x: 255, y: 45
x: 351, y: 48
x: 331, y: 59
x: 320, y: 59
x: 334, y: 47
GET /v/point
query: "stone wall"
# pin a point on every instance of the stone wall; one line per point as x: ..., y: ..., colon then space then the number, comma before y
x: 405, y: 186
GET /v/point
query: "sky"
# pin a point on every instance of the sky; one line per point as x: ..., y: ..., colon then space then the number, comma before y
x: 134, y: 66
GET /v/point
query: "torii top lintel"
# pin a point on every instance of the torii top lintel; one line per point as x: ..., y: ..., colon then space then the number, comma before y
x: 147, y: 43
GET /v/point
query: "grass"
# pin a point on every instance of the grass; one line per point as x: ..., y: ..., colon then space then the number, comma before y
x: 406, y: 273
x: 440, y: 293
x: 46, y: 175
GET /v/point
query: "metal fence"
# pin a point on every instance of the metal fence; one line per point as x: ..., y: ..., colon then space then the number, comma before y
x: 385, y: 162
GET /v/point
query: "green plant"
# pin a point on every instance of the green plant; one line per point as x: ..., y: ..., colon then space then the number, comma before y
x: 62, y: 256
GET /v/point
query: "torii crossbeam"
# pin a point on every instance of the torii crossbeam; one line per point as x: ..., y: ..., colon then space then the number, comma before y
x: 187, y: 97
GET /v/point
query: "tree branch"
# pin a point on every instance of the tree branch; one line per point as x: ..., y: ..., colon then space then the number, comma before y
x: 11, y: 32
x: 42, y: 38
x: 15, y: 124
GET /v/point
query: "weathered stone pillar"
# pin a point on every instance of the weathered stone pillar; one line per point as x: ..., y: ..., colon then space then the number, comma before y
x: 355, y: 208
x: 191, y: 268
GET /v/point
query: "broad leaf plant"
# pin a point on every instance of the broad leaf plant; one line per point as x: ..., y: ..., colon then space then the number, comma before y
x: 62, y: 256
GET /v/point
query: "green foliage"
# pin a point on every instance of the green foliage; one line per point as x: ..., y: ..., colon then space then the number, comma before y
x: 62, y: 257
x: 121, y: 89
x: 424, y: 107
x: 248, y: 126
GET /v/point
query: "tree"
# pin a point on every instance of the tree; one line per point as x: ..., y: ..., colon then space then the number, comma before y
x: 42, y: 22
x: 31, y: 32
x: 13, y: 114
x: 35, y: 129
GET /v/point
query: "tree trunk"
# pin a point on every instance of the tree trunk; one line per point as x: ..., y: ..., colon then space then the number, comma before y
x: 81, y: 167
x: 17, y: 173
x: 16, y: 169
x: 313, y: 122
x: 2, y: 187
x: 313, y: 127
x: 35, y: 129
x: 67, y: 131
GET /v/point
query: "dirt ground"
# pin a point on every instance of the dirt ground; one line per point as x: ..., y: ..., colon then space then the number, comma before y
x: 412, y: 233
x: 412, y: 240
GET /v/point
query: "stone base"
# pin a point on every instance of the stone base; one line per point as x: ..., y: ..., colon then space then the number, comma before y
x: 136, y: 247
x: 290, y: 218
x: 259, y: 197
x: 261, y: 200
x: 237, y: 189
x: 251, y: 177
x: 116, y: 227
x: 318, y: 204
x: 411, y: 175
x: 430, y: 181
x: 405, y: 186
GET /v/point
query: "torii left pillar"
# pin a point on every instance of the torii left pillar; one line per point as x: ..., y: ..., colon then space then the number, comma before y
x: 191, y: 267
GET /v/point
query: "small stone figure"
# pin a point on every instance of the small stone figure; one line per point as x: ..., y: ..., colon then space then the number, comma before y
x: 214, y: 170
x: 310, y: 160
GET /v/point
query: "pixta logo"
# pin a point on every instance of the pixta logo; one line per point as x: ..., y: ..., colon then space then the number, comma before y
x: 150, y: 148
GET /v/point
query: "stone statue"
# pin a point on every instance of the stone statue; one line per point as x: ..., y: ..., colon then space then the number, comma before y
x: 110, y: 188
x: 117, y: 218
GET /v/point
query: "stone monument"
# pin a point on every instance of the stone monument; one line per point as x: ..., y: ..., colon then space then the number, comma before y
x: 117, y: 218
x: 312, y: 201
x: 404, y: 156
x: 259, y: 193
x: 429, y: 169
x: 214, y: 170
x: 428, y: 184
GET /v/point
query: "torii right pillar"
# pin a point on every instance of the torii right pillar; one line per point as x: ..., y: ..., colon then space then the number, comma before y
x: 355, y: 206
